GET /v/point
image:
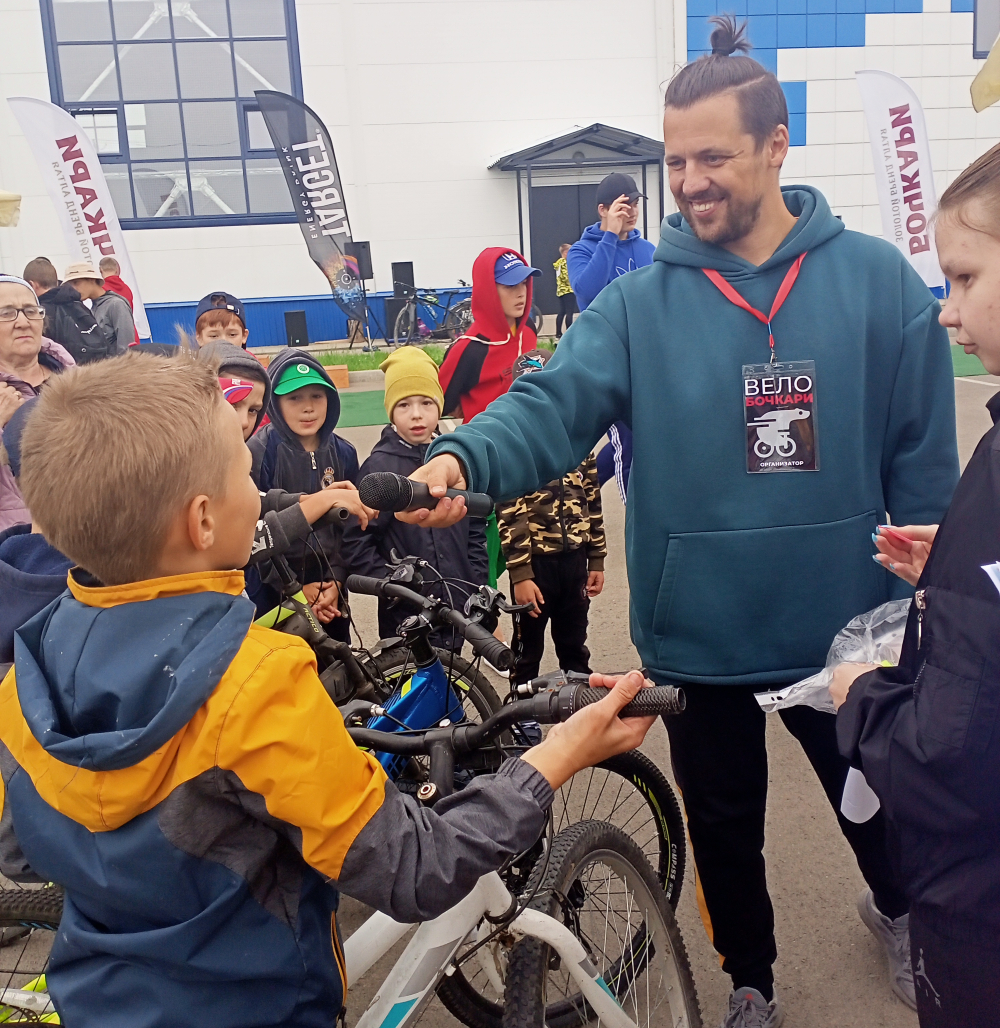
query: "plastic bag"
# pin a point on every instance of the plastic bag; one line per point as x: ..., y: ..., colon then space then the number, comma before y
x: 875, y: 637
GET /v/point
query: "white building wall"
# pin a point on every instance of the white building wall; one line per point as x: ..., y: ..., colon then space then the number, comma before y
x: 933, y: 53
x: 420, y: 94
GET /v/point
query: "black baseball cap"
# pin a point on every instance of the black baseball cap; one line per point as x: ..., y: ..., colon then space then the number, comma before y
x: 220, y: 302
x: 615, y: 185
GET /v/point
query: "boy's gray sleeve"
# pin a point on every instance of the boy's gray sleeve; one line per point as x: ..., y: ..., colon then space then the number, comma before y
x: 125, y: 326
x: 414, y: 863
x: 13, y: 863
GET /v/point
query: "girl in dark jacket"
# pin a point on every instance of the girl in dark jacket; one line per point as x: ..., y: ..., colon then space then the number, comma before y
x: 927, y: 733
x: 413, y: 400
x: 299, y: 452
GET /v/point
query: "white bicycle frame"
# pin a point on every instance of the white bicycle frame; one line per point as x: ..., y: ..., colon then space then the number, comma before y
x: 429, y: 954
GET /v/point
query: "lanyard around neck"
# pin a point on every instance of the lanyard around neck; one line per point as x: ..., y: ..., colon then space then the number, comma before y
x: 734, y: 297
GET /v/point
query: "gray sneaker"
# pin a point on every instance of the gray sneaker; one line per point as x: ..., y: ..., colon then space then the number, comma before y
x: 895, y: 937
x: 749, y: 1009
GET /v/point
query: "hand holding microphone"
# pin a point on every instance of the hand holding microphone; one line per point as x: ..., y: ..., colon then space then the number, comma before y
x: 386, y: 491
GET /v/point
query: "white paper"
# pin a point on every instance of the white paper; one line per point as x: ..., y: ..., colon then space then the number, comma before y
x: 859, y: 803
x: 993, y: 570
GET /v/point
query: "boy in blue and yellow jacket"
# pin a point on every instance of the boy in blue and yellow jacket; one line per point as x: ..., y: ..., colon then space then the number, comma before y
x: 182, y: 772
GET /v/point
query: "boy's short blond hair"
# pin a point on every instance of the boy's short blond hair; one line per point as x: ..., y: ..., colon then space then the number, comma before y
x: 113, y: 450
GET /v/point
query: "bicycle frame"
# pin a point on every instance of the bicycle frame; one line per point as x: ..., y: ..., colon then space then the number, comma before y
x: 428, y: 956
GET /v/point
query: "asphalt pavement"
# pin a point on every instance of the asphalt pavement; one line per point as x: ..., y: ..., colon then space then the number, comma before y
x: 830, y: 971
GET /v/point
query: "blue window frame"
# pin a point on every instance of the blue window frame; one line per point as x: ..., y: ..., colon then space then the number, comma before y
x: 165, y: 89
x: 985, y: 25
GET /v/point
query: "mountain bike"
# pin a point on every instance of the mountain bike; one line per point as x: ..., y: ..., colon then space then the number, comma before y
x: 425, y: 311
x: 424, y: 317
x: 628, y: 791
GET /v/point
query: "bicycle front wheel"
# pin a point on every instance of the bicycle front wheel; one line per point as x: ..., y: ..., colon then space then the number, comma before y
x: 24, y: 997
x: 602, y: 888
x: 632, y: 793
x: 407, y: 328
x: 628, y: 791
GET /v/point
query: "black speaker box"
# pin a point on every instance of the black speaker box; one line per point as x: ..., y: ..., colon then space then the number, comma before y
x: 295, y: 328
x: 402, y: 279
x: 361, y: 251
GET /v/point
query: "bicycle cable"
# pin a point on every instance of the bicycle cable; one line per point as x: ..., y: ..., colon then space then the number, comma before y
x: 549, y: 838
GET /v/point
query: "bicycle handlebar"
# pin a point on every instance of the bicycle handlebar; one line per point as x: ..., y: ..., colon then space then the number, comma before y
x: 546, y: 708
x: 482, y: 642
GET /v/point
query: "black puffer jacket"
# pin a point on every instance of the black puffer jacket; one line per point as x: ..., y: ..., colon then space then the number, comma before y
x: 927, y: 733
x: 280, y: 462
x: 69, y: 322
x: 456, y: 552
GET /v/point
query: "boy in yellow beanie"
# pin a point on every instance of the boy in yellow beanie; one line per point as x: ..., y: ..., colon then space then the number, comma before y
x: 413, y: 402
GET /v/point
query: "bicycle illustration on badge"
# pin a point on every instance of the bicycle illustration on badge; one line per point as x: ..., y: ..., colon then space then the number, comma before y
x: 773, y: 432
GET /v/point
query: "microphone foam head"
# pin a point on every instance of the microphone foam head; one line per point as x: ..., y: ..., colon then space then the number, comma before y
x: 383, y: 490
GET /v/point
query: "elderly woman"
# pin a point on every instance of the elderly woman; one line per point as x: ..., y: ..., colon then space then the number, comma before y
x: 27, y: 359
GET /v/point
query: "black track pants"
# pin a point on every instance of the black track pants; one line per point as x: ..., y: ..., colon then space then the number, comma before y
x: 720, y: 762
x: 562, y: 578
x: 567, y: 308
x: 957, y: 982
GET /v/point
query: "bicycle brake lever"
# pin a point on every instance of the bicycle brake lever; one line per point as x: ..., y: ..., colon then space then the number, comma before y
x: 552, y: 680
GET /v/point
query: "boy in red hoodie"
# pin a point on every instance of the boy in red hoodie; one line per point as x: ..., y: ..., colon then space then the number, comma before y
x: 478, y: 366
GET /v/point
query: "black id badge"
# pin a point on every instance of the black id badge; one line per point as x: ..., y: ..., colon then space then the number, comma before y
x: 779, y: 401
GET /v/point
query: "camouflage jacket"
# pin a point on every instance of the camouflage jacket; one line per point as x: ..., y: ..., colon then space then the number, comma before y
x: 562, y: 515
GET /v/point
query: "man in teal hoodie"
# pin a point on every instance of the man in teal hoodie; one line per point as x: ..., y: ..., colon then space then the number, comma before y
x: 742, y: 567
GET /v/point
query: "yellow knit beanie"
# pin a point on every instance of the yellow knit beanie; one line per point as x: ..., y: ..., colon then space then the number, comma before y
x: 410, y: 372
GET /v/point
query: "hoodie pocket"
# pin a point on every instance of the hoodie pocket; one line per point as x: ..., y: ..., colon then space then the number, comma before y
x: 763, y: 600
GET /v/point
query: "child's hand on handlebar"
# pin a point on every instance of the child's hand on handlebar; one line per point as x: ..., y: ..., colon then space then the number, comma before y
x: 339, y: 494
x: 592, y: 734
x: 904, y: 551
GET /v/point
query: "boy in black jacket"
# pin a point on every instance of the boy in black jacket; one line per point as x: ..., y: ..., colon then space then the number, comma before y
x: 413, y: 402
x: 927, y: 733
x: 299, y: 452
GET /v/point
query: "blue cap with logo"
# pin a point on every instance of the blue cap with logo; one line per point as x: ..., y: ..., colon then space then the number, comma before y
x: 510, y: 269
x: 220, y: 302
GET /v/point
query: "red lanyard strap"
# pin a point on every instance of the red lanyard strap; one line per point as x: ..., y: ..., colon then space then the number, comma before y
x: 783, y: 290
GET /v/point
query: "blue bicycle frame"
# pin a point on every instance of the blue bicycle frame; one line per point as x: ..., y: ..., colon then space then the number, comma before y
x: 420, y: 701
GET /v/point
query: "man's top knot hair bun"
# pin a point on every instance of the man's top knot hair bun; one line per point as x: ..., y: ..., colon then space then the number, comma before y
x: 727, y: 37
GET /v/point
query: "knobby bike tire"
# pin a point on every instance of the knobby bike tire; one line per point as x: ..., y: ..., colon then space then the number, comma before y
x: 531, y: 970
x: 33, y: 908
x: 23, y: 989
x: 407, y: 327
x: 649, y: 810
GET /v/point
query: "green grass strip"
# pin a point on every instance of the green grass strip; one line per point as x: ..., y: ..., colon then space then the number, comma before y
x: 367, y: 408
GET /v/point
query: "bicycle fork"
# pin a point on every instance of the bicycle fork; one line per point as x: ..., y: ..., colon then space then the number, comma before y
x: 429, y: 954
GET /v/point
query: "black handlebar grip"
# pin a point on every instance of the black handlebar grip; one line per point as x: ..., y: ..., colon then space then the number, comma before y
x: 484, y: 643
x: 660, y: 699
x: 365, y: 585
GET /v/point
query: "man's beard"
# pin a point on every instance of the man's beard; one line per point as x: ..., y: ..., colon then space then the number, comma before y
x: 741, y: 220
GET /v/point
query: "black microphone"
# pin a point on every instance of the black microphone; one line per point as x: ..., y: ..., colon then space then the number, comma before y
x: 383, y: 490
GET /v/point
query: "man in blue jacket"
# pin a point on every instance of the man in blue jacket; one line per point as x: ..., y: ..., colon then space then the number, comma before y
x: 755, y: 486
x: 608, y: 249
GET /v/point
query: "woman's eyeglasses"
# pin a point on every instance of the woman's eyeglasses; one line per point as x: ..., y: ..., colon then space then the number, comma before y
x: 32, y: 313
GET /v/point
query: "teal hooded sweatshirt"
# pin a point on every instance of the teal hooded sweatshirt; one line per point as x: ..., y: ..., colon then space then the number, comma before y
x: 740, y: 578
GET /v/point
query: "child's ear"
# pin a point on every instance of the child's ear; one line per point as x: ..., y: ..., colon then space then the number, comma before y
x: 200, y: 523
